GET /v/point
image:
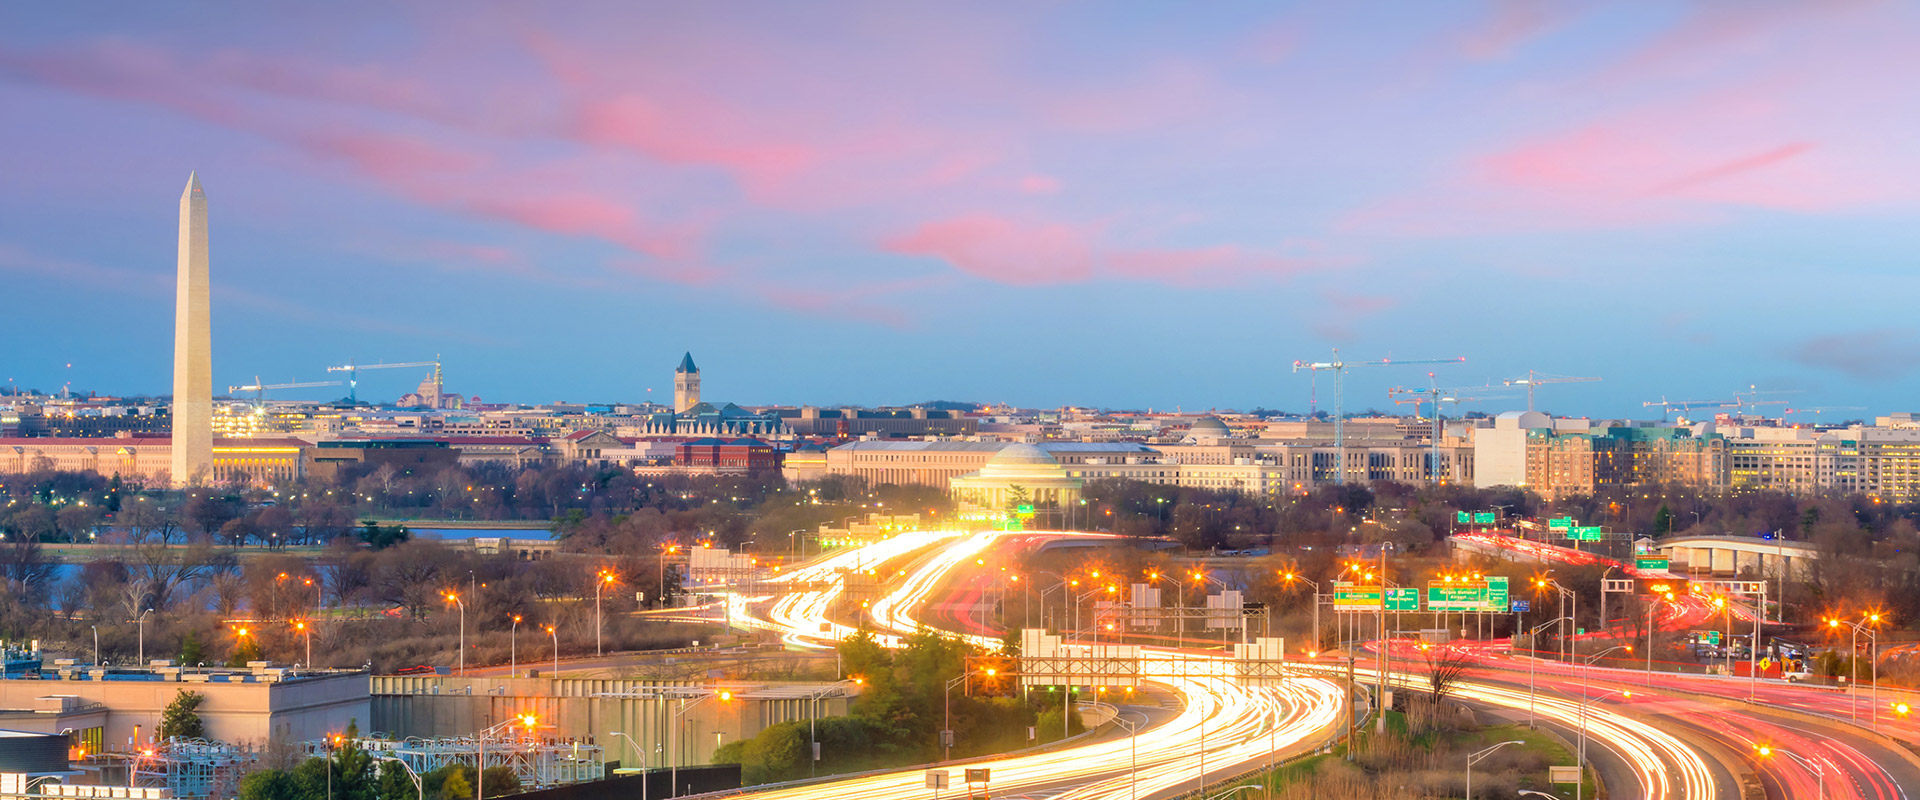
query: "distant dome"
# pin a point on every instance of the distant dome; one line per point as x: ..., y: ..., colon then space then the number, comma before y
x: 1209, y: 426
x: 1021, y: 453
x: 1022, y: 463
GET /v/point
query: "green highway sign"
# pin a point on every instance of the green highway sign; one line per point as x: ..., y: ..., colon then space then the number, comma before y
x: 1349, y: 597
x: 1560, y: 522
x: 1455, y: 597
x: 1491, y: 596
x: 1713, y: 638
x: 1584, y: 533
x: 1463, y: 517
x: 1651, y: 562
x: 1407, y: 599
x: 1484, y: 518
x: 1024, y: 509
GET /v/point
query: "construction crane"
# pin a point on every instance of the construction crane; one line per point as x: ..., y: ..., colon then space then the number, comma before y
x: 1435, y: 395
x: 1684, y: 406
x: 353, y: 373
x: 1534, y: 379
x: 1339, y: 369
x: 1817, y: 410
x: 1742, y: 400
x: 260, y: 389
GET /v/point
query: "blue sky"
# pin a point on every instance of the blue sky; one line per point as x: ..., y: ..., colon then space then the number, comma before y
x: 1036, y: 203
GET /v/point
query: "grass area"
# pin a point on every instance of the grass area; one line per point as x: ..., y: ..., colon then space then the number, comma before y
x: 1402, y: 764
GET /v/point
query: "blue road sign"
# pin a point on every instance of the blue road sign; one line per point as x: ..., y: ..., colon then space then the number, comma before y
x: 1522, y: 606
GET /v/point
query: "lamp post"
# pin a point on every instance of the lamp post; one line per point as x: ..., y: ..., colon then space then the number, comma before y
x: 1565, y: 596
x: 96, y: 644
x: 555, y: 633
x: 1853, y: 659
x: 1291, y: 577
x: 1477, y: 757
x: 141, y: 623
x: 1533, y: 662
x: 513, y: 648
x: 1580, y: 787
x: 1819, y: 772
x: 1133, y: 743
x: 946, y: 735
x: 455, y: 599
x: 307, y: 630
x: 681, y: 726
x: 601, y: 581
x: 639, y: 754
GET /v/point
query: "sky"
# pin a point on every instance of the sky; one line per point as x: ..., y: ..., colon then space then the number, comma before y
x: 1041, y: 203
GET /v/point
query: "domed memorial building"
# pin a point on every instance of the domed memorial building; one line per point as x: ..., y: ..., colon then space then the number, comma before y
x: 1020, y: 474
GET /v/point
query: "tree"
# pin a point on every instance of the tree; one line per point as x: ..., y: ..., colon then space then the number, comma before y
x: 182, y: 718
x: 395, y: 783
x: 191, y: 651
x: 1445, y: 667
x: 245, y: 650
x: 1663, y: 521
x: 269, y: 784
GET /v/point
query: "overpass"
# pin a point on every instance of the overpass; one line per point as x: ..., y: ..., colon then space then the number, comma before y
x: 1736, y: 555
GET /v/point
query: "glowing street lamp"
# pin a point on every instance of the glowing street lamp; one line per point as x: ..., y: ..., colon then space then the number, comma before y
x: 454, y: 598
x: 604, y: 579
x: 513, y: 647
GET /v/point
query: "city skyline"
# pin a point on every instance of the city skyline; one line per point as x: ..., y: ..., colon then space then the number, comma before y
x: 1036, y: 206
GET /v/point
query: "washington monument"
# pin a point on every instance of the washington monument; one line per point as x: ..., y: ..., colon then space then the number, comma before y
x: 192, y: 346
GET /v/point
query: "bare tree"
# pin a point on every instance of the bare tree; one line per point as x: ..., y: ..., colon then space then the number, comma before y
x: 1445, y: 667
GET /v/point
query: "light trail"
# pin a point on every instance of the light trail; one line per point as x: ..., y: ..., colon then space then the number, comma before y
x: 1234, y: 725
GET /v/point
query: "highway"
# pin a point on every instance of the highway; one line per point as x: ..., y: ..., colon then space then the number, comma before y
x: 1681, y: 738
x: 1222, y: 725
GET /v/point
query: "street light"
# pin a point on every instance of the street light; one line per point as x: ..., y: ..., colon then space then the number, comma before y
x: 513, y: 648
x: 302, y: 626
x: 723, y: 696
x: 1533, y: 661
x: 1291, y: 577
x: 1853, y: 659
x: 641, y: 754
x: 455, y: 599
x: 1477, y: 757
x: 601, y: 581
x: 946, y: 735
x: 1819, y: 772
x: 1624, y: 693
x: 1565, y: 595
x: 141, y: 622
x: 555, y: 633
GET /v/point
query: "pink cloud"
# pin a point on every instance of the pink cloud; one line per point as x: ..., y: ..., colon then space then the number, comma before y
x: 433, y: 172
x: 1039, y: 184
x: 1039, y: 253
x: 1003, y: 250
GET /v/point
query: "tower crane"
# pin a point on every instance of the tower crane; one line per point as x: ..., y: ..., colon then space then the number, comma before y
x: 260, y: 388
x: 353, y: 373
x: 1339, y: 369
x: 1432, y: 393
x: 1683, y: 406
x: 1742, y: 400
x: 1816, y: 410
x: 1534, y: 379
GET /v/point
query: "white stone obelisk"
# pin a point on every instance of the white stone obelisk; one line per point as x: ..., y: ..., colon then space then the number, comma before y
x: 192, y: 347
